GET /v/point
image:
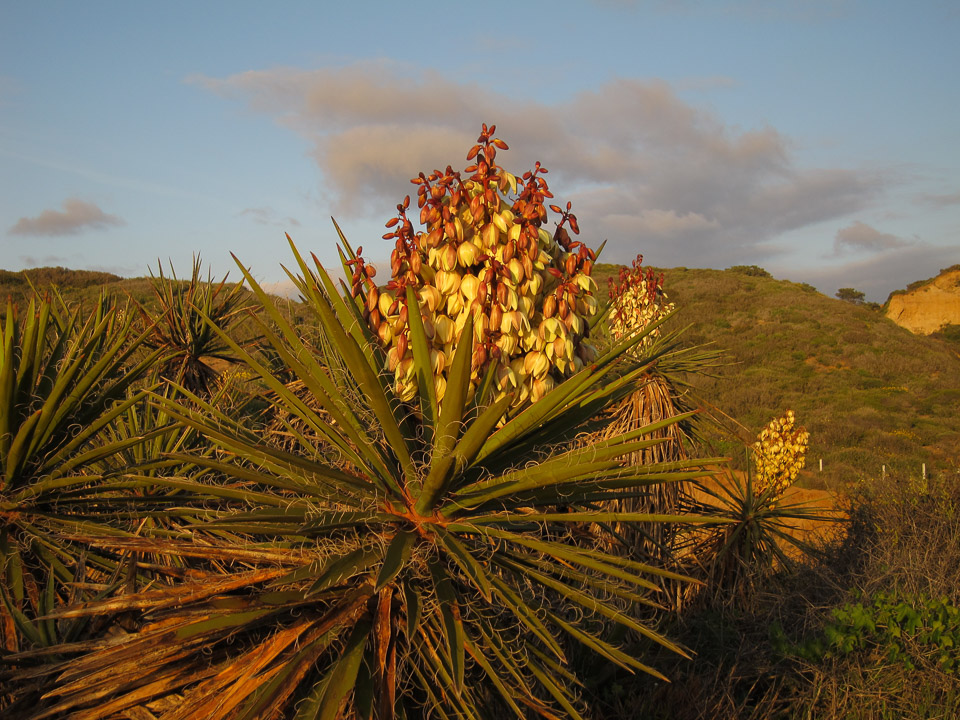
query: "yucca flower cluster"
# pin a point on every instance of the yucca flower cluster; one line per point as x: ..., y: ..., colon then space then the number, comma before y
x: 637, y: 300
x: 483, y: 256
x: 780, y: 454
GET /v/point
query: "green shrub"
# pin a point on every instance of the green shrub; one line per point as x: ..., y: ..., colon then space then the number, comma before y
x: 911, y: 631
x: 750, y: 270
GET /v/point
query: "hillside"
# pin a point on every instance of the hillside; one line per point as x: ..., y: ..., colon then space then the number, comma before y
x: 84, y: 286
x: 75, y: 284
x: 870, y: 392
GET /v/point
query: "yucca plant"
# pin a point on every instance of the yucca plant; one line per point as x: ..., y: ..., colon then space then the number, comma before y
x: 758, y: 536
x: 420, y: 542
x: 637, y: 302
x: 433, y: 569
x: 183, y: 324
x: 133, y: 468
x: 64, y: 378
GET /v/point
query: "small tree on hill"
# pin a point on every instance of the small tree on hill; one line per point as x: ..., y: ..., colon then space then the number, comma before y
x: 751, y: 270
x: 850, y: 295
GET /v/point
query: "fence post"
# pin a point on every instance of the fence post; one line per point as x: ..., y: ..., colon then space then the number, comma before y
x: 924, y: 471
x: 821, y: 464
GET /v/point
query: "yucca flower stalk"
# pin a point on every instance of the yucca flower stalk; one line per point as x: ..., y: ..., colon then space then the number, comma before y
x: 780, y: 453
x: 483, y: 255
x: 637, y: 300
x: 436, y: 574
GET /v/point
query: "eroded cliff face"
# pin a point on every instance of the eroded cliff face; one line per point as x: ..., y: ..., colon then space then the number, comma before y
x: 928, y: 308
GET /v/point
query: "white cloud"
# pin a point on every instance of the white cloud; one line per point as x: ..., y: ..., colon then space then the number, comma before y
x: 76, y: 217
x: 268, y: 216
x: 652, y: 173
x: 860, y: 236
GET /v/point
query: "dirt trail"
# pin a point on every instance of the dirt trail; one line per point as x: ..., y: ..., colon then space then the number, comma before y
x: 825, y: 503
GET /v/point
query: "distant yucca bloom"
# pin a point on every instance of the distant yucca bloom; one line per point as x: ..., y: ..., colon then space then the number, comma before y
x: 780, y: 454
x: 638, y: 301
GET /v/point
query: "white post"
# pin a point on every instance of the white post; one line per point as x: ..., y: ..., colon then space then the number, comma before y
x: 924, y: 471
x: 883, y: 471
x: 821, y: 464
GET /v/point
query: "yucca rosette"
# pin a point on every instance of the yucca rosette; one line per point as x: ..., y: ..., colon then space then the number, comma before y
x: 378, y: 564
x: 780, y: 454
x: 484, y: 254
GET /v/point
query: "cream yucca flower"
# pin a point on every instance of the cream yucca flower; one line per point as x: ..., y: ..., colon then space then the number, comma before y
x: 638, y: 301
x: 484, y: 255
x: 779, y: 454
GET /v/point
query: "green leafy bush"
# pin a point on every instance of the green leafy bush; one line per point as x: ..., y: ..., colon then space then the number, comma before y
x: 751, y: 270
x: 910, y: 631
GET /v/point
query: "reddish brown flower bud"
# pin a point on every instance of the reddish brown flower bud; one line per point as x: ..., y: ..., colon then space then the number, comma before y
x: 496, y: 317
x: 527, y: 266
x: 549, y: 306
x: 479, y: 358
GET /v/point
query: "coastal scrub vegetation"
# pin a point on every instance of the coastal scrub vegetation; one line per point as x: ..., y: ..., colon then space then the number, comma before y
x: 475, y: 487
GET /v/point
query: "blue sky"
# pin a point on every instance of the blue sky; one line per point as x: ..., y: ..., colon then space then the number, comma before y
x: 818, y: 139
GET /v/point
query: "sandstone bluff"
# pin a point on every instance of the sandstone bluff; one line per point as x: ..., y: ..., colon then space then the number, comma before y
x: 930, y: 307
